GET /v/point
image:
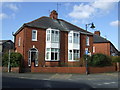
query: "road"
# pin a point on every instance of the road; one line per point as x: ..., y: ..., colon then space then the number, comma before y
x: 32, y: 80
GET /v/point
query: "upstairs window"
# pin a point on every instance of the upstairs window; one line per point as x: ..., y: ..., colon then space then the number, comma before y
x: 73, y: 37
x: 70, y: 37
x: 87, y: 41
x: 48, y: 35
x: 19, y: 40
x: 34, y: 35
x: 76, y: 37
x: 55, y: 36
x: 52, y: 35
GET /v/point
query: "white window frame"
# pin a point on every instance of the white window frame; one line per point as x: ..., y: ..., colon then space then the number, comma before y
x: 93, y: 49
x: 29, y: 57
x: 35, y: 35
x: 73, y: 55
x: 56, y: 38
x: 87, y: 41
x: 71, y: 35
x: 50, y: 51
x: 19, y: 41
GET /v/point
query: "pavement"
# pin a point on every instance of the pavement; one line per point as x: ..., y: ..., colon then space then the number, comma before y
x: 101, y: 80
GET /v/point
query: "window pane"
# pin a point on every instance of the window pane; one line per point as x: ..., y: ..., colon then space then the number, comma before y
x: 70, y: 54
x: 48, y: 31
x: 87, y: 40
x: 56, y: 55
x: 48, y: 37
x: 70, y: 39
x: 52, y: 55
x: 34, y: 33
x: 52, y: 49
x: 48, y: 49
x: 48, y: 55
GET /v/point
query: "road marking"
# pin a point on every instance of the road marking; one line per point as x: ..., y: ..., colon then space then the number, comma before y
x: 113, y: 82
x: 46, y: 79
x: 59, y: 76
x: 21, y: 77
x: 106, y: 83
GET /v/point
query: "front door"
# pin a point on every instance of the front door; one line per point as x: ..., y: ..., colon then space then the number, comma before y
x: 33, y: 57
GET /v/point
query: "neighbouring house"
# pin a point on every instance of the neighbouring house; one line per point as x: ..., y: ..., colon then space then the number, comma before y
x: 6, y: 45
x: 50, y: 42
x: 102, y: 45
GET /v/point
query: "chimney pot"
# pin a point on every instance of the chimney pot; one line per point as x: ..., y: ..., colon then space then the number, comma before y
x: 97, y: 33
x: 54, y: 15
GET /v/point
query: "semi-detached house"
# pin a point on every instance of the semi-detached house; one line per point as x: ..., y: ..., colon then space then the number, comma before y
x: 49, y: 41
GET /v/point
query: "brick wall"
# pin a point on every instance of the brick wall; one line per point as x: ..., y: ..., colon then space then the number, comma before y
x: 63, y: 47
x: 27, y: 44
x: 80, y: 70
x: 102, y: 69
x: 83, y: 44
x: 103, y: 48
x: 59, y: 69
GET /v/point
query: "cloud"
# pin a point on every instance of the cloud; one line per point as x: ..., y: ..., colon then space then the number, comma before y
x: 115, y: 23
x: 3, y: 16
x: 92, y: 9
x: 81, y: 11
x: 11, y: 6
x: 7, y: 6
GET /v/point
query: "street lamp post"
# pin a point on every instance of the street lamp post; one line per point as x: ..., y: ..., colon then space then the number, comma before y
x: 9, y: 62
x: 86, y: 51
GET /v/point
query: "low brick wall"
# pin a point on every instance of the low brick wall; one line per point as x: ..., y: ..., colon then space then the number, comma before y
x: 81, y: 70
x: 59, y: 69
x: 102, y: 69
x: 13, y: 69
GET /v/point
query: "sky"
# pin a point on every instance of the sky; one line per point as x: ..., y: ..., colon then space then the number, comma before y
x: 103, y: 14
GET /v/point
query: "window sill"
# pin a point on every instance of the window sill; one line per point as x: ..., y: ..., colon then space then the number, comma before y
x: 34, y: 40
x: 87, y: 45
x: 52, y: 60
x: 73, y: 60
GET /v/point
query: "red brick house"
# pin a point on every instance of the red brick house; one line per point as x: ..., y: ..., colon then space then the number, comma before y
x: 102, y: 45
x: 49, y: 41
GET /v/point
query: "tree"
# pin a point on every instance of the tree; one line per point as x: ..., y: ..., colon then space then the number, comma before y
x: 14, y: 59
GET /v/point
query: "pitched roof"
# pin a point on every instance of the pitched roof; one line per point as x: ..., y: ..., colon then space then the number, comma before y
x: 99, y: 39
x: 47, y: 22
x: 3, y: 41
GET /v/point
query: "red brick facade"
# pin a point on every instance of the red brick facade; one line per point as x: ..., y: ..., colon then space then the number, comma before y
x: 83, y: 44
x: 103, y: 48
x: 26, y: 44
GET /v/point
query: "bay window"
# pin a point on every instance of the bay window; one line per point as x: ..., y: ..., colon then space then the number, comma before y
x: 73, y: 37
x: 76, y: 37
x: 52, y: 54
x: 52, y: 36
x: 73, y: 55
x: 70, y: 37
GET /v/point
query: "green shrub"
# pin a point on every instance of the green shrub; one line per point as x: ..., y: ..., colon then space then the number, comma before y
x: 14, y: 59
x: 115, y: 59
x: 99, y: 60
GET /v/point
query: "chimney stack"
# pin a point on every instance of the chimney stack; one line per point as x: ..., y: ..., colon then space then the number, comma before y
x: 54, y: 15
x: 97, y: 33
